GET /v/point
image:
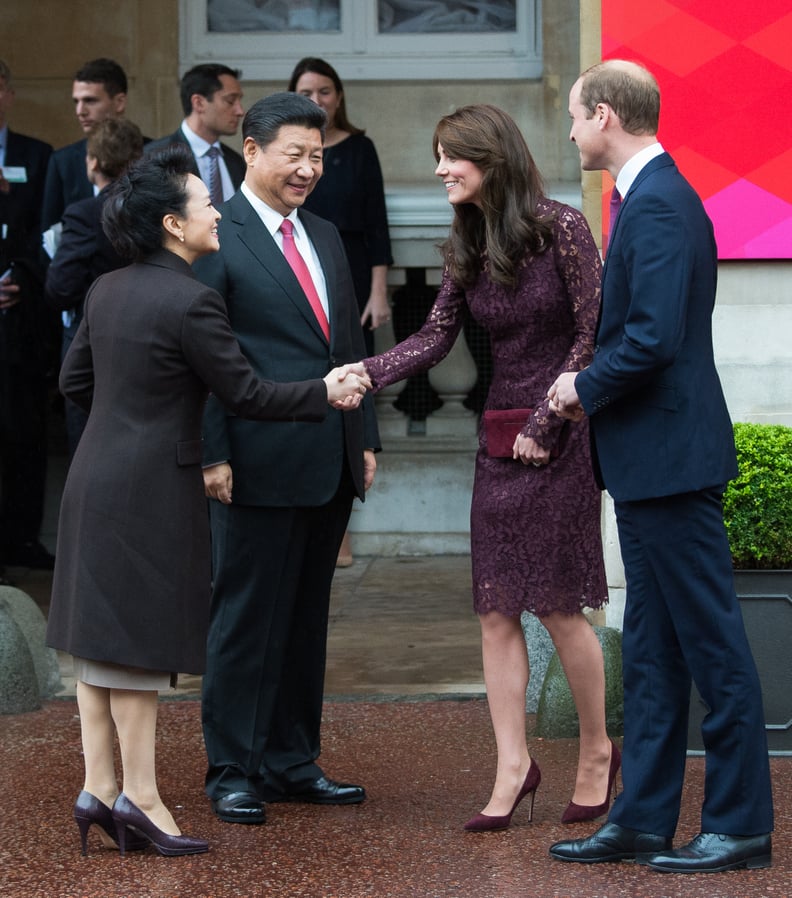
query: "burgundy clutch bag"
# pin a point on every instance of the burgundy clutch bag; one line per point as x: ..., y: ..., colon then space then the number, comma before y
x: 502, y: 425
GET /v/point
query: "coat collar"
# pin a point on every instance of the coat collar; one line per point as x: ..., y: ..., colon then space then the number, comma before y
x: 164, y: 258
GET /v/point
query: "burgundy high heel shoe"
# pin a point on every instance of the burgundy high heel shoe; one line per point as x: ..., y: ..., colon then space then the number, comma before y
x: 577, y: 813
x: 488, y: 823
x: 128, y: 815
x: 87, y: 810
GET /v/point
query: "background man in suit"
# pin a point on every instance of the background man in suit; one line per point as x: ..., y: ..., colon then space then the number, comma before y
x: 664, y: 448
x: 211, y: 97
x: 25, y: 342
x: 99, y: 92
x: 84, y: 250
x: 274, y: 549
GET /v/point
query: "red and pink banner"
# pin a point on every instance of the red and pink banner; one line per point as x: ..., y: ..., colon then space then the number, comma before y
x: 725, y: 73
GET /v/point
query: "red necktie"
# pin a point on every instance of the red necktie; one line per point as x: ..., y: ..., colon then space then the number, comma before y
x: 300, y: 269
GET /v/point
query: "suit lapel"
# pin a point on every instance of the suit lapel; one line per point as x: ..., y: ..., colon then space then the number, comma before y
x: 661, y: 161
x: 259, y: 241
x: 12, y: 156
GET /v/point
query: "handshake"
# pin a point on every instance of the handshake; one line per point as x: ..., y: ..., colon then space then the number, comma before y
x: 347, y: 385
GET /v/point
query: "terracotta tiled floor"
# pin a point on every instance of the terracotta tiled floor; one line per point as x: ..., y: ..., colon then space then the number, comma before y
x: 406, y: 717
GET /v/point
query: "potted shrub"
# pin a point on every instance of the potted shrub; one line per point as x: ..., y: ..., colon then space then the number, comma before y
x: 757, y: 504
x: 757, y: 510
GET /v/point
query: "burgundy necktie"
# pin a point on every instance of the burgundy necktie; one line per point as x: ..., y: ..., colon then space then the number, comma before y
x: 615, y: 205
x: 300, y: 269
x: 215, y: 184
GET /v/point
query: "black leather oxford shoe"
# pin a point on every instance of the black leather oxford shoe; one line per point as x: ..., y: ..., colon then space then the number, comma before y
x: 609, y: 844
x: 714, y: 853
x: 239, y: 807
x: 327, y: 791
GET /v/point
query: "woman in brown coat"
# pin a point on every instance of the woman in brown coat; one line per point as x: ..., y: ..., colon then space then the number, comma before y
x: 131, y: 588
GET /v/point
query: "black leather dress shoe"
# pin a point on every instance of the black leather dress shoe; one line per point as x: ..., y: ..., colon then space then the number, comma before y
x: 714, y: 853
x: 327, y: 791
x: 239, y: 807
x: 611, y: 843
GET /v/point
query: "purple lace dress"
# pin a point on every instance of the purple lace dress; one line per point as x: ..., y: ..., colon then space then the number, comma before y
x: 535, y: 532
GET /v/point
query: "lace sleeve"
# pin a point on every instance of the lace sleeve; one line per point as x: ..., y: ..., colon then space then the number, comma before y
x: 428, y: 346
x: 578, y: 264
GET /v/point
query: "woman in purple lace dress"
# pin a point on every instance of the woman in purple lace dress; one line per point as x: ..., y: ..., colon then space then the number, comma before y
x: 527, y: 269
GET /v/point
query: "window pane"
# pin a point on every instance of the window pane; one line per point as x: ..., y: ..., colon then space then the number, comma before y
x: 273, y: 15
x: 438, y: 16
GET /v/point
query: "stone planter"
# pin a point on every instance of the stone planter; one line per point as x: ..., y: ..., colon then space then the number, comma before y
x: 766, y: 601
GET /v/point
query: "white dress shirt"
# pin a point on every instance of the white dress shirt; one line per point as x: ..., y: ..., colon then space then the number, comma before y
x: 199, y: 149
x: 272, y: 222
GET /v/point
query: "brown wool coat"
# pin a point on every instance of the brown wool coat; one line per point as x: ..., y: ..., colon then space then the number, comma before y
x: 132, y: 573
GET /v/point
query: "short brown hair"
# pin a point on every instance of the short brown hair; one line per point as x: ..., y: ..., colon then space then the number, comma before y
x: 629, y: 89
x: 114, y: 143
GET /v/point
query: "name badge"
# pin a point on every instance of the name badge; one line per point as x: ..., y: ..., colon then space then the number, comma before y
x: 15, y: 174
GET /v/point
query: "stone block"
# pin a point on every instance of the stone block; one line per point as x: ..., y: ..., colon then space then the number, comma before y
x: 556, y: 716
x: 32, y: 623
x: 540, y: 651
x: 18, y: 682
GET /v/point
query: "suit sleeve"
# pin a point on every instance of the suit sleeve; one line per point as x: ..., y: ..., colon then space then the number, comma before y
x: 69, y: 273
x: 52, y: 206
x: 651, y: 274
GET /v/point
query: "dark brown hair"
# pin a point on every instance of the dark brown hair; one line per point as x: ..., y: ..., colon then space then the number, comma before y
x: 506, y: 225
x: 138, y: 201
x: 319, y: 67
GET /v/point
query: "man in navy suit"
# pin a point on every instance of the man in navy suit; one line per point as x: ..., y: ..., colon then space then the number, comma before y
x: 211, y: 97
x: 274, y: 547
x: 664, y: 448
x: 99, y: 91
x: 26, y: 343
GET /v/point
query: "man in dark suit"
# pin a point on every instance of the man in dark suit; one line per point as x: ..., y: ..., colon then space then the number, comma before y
x: 274, y: 548
x: 664, y: 448
x: 211, y: 97
x: 99, y: 91
x: 84, y: 251
x: 25, y: 332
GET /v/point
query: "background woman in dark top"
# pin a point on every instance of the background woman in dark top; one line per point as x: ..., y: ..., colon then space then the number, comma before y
x: 350, y: 193
x: 84, y: 251
x: 131, y: 589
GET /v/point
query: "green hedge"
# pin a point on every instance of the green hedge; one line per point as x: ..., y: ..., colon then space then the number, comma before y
x: 757, y: 504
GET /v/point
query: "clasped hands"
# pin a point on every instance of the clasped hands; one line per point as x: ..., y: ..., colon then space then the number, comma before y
x: 347, y: 385
x: 564, y: 400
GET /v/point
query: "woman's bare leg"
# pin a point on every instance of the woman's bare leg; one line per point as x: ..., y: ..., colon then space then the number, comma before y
x: 580, y: 654
x: 506, y: 673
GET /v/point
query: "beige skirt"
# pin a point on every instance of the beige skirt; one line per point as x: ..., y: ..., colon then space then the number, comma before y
x: 117, y: 676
